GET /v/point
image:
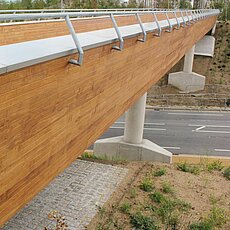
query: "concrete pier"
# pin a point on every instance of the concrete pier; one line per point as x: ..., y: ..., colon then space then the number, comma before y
x: 132, y: 146
x: 187, y: 80
x: 206, y: 46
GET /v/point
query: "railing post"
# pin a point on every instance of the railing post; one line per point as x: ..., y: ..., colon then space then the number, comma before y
x: 76, y: 41
x: 121, y: 46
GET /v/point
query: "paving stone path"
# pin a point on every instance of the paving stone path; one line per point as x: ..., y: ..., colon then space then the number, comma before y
x: 76, y: 193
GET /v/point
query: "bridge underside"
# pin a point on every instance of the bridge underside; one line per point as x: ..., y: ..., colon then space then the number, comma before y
x: 52, y: 111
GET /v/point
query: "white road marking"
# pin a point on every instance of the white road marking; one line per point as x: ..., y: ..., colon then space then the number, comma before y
x: 199, y: 129
x: 171, y: 148
x: 122, y: 122
x: 212, y: 131
x: 202, y: 127
x: 197, y: 114
x: 222, y: 150
x: 212, y: 126
x: 154, y: 129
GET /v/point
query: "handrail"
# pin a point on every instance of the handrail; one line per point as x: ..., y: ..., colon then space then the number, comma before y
x: 66, y: 15
x: 85, y: 10
x: 31, y: 16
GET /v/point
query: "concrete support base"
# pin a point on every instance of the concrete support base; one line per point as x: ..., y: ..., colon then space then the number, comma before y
x: 206, y: 46
x: 116, y: 148
x: 187, y: 82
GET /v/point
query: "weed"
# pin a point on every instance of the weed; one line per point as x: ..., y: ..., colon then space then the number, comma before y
x: 182, y: 205
x: 226, y: 173
x: 158, y: 197
x: 142, y: 222
x: 216, y: 218
x: 160, y: 172
x: 167, y: 188
x: 215, y: 165
x: 214, y: 200
x: 146, y: 185
x: 168, y: 213
x: 133, y: 193
x: 88, y: 155
x: 173, y: 221
x: 203, y: 225
x: 99, y: 227
x: 101, y: 210
x: 184, y: 167
x: 125, y: 208
x: 151, y: 207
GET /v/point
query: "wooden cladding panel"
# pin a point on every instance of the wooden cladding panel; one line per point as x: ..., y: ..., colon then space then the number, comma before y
x: 38, y: 30
x: 51, y: 112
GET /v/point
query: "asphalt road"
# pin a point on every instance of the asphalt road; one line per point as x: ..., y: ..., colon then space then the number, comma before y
x: 184, y: 132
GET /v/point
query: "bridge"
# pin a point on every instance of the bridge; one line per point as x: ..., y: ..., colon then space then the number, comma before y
x: 66, y: 77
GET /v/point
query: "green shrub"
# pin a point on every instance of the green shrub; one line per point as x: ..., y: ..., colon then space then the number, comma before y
x: 142, y: 222
x: 217, y: 216
x: 88, y: 155
x: 182, y: 205
x: 160, y: 172
x: 158, y: 197
x: 184, y: 167
x: 168, y: 213
x: 125, y: 207
x: 216, y: 219
x: 167, y: 188
x: 215, y: 165
x: 226, y: 173
x: 203, y: 225
x: 146, y: 185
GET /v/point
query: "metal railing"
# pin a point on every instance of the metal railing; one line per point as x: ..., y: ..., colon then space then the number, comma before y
x: 187, y: 16
x: 88, y: 10
x: 49, y: 14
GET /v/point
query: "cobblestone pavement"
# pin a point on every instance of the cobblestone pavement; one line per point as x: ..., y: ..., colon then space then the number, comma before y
x: 76, y: 193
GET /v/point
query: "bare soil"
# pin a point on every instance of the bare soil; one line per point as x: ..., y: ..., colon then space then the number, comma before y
x: 202, y: 192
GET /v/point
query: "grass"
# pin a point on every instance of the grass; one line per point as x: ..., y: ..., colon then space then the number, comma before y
x: 157, y: 196
x: 202, y: 225
x: 168, y: 210
x: 167, y: 188
x: 133, y: 193
x: 226, y: 173
x: 125, y: 208
x: 182, y: 205
x: 185, y: 167
x: 215, y: 220
x: 159, y: 172
x: 143, y: 222
x: 87, y: 155
x: 117, y: 160
x: 101, y: 210
x: 215, y: 166
x: 146, y: 185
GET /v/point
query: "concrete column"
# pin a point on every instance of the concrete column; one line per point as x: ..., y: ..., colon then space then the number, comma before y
x: 186, y: 80
x: 134, y: 122
x: 213, y: 30
x: 188, y: 60
x: 132, y: 146
x: 206, y: 46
